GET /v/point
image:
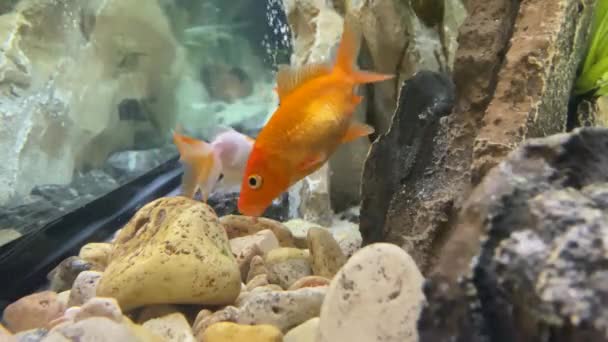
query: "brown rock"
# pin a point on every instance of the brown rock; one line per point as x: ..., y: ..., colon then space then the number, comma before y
x: 264, y: 239
x: 63, y: 275
x: 256, y: 267
x: 100, y: 307
x: 325, y: 253
x: 227, y: 314
x: 84, y: 288
x: 535, y: 82
x: 310, y: 281
x: 237, y: 226
x: 244, y: 257
x: 33, y: 311
x: 97, y: 254
x: 257, y: 281
x: 155, y: 311
x: 6, y: 336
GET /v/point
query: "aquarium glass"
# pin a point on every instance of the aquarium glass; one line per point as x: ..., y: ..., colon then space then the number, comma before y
x: 91, y: 92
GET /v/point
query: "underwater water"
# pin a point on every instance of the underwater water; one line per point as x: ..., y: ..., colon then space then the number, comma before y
x: 92, y: 91
x: 303, y: 170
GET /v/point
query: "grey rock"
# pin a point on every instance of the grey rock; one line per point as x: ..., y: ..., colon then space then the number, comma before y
x: 34, y: 335
x: 62, y: 277
x: 424, y: 99
x: 94, y: 182
x: 530, y: 248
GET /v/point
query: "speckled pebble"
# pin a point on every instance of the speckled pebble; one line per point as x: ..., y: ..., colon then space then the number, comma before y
x: 33, y: 311
x: 325, y: 253
x: 305, y: 332
x: 376, y: 296
x: 232, y: 332
x: 256, y: 267
x: 348, y: 236
x: 287, y: 265
x: 63, y: 275
x: 100, y: 307
x: 238, y: 225
x: 283, y: 309
x: 99, y: 329
x: 84, y: 288
x: 172, y: 328
x: 310, y: 281
x: 173, y: 251
x: 97, y: 254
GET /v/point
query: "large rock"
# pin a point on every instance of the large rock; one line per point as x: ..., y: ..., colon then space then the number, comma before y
x: 376, y: 296
x: 525, y: 261
x: 509, y: 86
x: 174, y: 250
x: 65, y: 70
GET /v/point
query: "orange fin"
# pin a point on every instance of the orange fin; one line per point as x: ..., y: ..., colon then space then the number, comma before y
x: 289, y: 78
x: 346, y: 57
x: 357, y: 130
x: 189, y: 182
x: 312, y: 162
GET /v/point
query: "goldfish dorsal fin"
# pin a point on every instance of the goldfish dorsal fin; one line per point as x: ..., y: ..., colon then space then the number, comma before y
x: 289, y: 78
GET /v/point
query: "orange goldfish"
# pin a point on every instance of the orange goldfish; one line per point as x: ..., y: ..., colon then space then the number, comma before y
x: 314, y: 117
x: 207, y: 164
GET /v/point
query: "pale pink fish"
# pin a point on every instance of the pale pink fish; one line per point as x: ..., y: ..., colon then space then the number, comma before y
x: 215, y: 166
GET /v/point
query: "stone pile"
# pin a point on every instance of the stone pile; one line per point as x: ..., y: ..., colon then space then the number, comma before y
x: 177, y: 272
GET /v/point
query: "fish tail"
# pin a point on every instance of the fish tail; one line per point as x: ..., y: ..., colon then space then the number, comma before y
x: 198, y: 159
x: 346, y: 57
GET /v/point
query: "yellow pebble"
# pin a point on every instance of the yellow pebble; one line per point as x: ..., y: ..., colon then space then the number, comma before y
x: 232, y: 332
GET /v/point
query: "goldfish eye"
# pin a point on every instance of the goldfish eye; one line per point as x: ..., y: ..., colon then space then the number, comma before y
x: 255, y: 181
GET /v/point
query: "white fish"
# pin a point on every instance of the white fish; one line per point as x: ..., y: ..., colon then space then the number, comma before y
x: 215, y: 166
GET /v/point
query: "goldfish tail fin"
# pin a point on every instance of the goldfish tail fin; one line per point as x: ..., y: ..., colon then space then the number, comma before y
x: 346, y: 56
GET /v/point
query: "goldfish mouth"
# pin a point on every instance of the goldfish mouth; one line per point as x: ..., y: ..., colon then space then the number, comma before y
x: 251, y: 210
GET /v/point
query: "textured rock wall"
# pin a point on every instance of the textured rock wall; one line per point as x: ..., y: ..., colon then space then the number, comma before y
x: 513, y: 74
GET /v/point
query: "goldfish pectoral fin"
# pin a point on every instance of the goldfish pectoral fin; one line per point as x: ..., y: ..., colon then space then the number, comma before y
x: 357, y: 130
x: 289, y: 78
x: 312, y: 162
